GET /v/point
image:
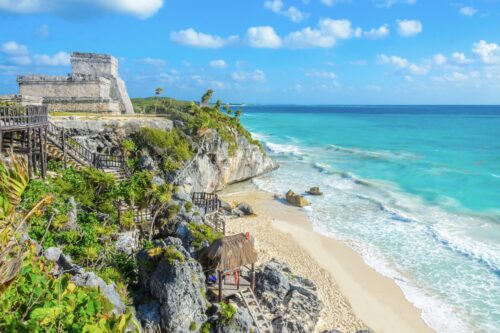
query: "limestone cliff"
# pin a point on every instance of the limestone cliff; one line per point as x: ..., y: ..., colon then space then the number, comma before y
x: 216, y: 166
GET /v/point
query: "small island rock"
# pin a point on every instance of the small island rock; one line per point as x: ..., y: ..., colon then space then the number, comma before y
x: 295, y: 199
x: 314, y: 191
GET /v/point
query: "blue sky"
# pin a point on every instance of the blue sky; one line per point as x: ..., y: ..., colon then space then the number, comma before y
x: 274, y: 51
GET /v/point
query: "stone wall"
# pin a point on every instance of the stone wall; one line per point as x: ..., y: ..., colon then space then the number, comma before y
x: 92, y: 105
x: 94, y: 64
x: 89, y: 86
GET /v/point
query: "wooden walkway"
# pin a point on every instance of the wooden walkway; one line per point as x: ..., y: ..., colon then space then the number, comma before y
x: 253, y: 306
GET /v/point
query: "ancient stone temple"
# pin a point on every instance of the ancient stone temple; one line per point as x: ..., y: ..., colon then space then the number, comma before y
x: 93, y: 86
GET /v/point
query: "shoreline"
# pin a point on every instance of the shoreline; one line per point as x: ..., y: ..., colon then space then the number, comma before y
x: 355, y: 296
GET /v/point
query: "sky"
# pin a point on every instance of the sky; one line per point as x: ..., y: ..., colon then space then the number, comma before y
x: 268, y: 51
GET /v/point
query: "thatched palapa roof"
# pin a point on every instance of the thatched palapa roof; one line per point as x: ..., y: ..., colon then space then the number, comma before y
x: 229, y: 253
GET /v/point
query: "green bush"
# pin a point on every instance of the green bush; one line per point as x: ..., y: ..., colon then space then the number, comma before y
x: 227, y: 313
x: 201, y: 232
x: 171, y: 147
x: 37, y: 302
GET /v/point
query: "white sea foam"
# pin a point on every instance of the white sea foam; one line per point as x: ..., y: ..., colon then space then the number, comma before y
x: 377, y: 205
x: 374, y: 154
x: 283, y: 149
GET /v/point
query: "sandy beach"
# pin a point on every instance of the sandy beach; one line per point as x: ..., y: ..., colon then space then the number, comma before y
x: 355, y: 296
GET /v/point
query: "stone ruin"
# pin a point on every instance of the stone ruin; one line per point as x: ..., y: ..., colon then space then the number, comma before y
x: 93, y: 86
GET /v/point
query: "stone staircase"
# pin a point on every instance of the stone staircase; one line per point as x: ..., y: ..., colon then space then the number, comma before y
x: 253, y: 306
x: 63, y: 147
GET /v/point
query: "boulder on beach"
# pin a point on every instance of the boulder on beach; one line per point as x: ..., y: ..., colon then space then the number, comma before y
x: 314, y: 191
x: 295, y: 199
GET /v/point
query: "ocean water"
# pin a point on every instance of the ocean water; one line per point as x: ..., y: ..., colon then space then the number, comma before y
x: 414, y: 189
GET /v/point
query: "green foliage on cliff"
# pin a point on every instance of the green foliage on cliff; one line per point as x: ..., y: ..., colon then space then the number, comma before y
x: 198, y: 118
x: 33, y: 299
x: 171, y: 147
x: 201, y: 233
x: 36, y: 301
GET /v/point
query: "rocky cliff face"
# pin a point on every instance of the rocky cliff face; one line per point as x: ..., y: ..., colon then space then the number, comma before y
x: 215, y: 166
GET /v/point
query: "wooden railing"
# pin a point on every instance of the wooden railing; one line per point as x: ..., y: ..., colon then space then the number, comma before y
x: 69, y: 145
x: 140, y: 215
x: 14, y: 117
x: 208, y: 201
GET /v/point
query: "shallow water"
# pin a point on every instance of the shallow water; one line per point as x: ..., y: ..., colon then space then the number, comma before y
x: 415, y: 190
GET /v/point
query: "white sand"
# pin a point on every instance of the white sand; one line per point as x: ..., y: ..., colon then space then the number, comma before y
x: 355, y: 296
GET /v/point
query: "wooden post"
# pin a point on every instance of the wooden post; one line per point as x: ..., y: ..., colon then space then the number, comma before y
x: 253, y: 278
x: 64, y: 148
x: 43, y: 150
x: 220, y: 286
x: 30, y: 156
x: 40, y: 151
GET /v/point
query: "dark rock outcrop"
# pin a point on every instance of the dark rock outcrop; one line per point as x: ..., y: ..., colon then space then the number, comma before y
x: 176, y: 282
x: 291, y: 300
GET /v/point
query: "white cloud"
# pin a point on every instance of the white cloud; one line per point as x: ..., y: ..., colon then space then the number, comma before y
x: 402, y: 64
x: 330, y: 3
x: 277, y: 7
x: 377, y: 33
x: 390, y: 3
x: 460, y: 58
x: 58, y: 59
x: 17, y: 53
x: 219, y: 63
x: 489, y: 53
x: 153, y: 61
x: 257, y: 76
x: 467, y: 11
x: 321, y: 74
x: 191, y: 37
x: 137, y: 8
x: 274, y: 5
x: 326, y: 35
x: 409, y: 28
x: 440, y: 59
x: 263, y: 37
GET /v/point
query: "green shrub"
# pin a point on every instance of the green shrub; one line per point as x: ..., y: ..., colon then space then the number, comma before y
x: 227, y: 313
x: 192, y: 326
x: 188, y: 205
x: 172, y: 255
x: 35, y: 301
x: 172, y: 147
x: 201, y: 232
x: 127, y: 219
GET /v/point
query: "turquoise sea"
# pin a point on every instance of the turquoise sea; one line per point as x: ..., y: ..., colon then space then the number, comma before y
x: 414, y: 189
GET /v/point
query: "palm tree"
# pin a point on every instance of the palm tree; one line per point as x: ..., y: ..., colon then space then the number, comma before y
x: 205, y: 99
x: 13, y: 183
x: 238, y: 114
x: 158, y: 92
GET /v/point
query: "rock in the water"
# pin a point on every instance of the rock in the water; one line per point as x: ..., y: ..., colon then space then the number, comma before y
x: 177, y: 282
x: 295, y: 199
x: 245, y: 208
x: 90, y: 279
x: 314, y: 191
x: 291, y: 300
